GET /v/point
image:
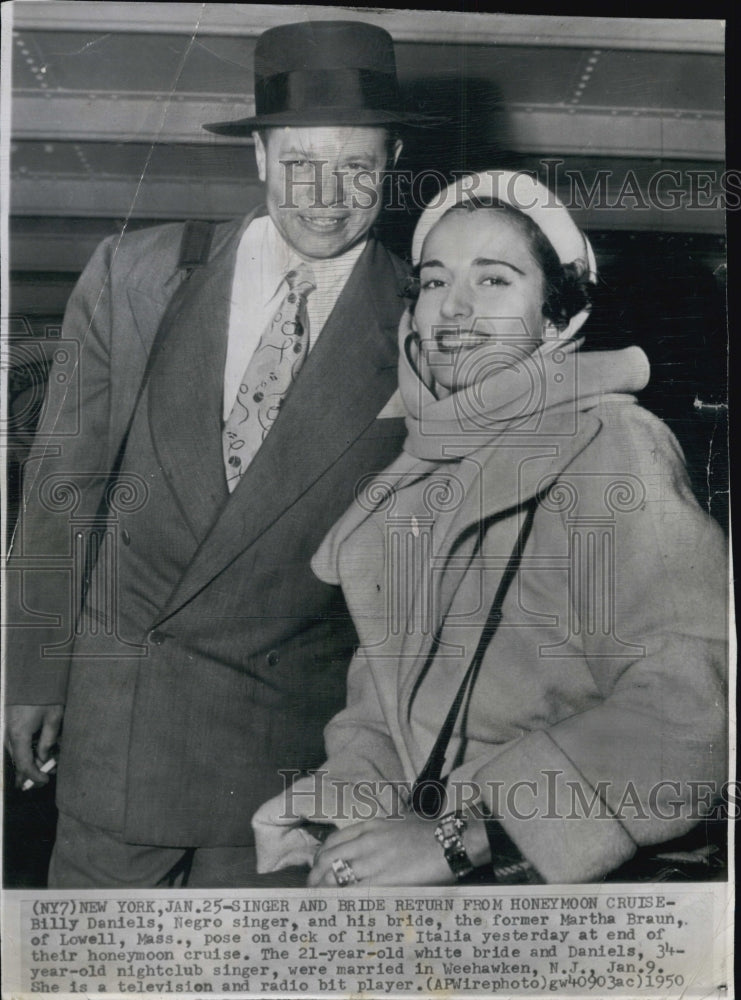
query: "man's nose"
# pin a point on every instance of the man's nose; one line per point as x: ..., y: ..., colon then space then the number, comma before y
x: 334, y: 182
x: 456, y: 304
x: 325, y: 188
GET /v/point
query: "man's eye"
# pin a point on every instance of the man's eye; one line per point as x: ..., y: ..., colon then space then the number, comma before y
x: 296, y: 163
x: 357, y: 165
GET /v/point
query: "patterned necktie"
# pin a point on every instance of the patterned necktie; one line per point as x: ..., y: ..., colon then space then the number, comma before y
x: 268, y: 377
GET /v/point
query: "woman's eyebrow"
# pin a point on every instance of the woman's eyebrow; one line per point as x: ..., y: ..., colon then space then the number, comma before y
x: 431, y: 263
x: 486, y: 262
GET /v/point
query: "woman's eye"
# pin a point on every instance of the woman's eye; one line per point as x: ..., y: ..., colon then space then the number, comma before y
x: 491, y: 280
x: 432, y: 283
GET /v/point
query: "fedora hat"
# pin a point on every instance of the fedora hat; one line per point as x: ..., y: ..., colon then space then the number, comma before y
x: 324, y: 73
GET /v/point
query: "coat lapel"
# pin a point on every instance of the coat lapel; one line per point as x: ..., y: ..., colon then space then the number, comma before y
x: 346, y: 381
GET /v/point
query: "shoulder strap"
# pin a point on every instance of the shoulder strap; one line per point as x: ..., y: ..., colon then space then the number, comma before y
x: 195, y: 245
x: 426, y: 792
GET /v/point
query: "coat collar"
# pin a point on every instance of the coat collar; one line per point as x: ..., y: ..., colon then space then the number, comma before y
x: 499, y: 476
x: 515, y: 468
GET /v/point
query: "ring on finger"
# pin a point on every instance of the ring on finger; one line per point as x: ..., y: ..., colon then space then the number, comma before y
x: 343, y: 872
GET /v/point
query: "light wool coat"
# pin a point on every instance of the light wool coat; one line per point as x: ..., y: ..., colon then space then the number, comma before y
x: 602, y: 693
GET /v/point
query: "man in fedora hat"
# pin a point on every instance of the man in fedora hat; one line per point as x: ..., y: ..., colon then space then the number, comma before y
x: 231, y: 381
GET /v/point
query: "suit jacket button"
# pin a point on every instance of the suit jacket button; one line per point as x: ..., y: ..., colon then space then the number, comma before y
x: 156, y: 637
x: 125, y: 537
x: 272, y: 658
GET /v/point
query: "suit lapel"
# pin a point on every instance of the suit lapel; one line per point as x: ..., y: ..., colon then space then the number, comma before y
x: 347, y: 379
x: 129, y: 354
x: 186, y: 388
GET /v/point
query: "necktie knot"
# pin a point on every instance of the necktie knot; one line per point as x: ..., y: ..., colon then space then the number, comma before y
x: 301, y: 280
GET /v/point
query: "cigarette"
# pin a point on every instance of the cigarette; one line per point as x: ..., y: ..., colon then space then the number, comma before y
x: 44, y: 768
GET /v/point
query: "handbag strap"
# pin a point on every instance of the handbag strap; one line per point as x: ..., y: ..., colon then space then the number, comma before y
x: 426, y: 795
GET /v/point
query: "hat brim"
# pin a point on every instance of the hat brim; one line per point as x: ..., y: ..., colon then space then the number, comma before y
x: 324, y: 116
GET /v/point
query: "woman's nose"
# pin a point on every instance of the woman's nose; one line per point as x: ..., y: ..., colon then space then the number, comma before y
x: 456, y: 303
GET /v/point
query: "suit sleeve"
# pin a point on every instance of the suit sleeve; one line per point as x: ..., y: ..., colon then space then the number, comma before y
x: 640, y: 766
x: 62, y: 479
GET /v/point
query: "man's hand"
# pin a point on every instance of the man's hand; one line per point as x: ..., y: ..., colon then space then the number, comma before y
x: 22, y: 722
x: 281, y: 836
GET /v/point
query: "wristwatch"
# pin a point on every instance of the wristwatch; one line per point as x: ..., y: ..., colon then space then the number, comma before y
x: 449, y: 834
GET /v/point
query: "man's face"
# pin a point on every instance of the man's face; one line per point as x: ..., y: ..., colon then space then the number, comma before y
x: 323, y: 184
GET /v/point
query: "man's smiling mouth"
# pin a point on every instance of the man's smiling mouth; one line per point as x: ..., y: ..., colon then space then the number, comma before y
x: 323, y: 223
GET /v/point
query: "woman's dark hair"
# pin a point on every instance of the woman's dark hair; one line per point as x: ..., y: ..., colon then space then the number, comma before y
x: 566, y: 285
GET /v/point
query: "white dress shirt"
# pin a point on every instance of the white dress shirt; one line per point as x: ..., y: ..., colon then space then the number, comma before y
x: 263, y: 260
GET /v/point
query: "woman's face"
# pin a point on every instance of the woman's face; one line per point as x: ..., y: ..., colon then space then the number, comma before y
x: 481, y: 296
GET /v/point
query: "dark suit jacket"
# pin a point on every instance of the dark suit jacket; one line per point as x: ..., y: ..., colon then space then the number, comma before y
x: 207, y: 656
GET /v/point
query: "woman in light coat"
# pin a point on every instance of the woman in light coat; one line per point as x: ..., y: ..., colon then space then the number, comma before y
x: 541, y: 524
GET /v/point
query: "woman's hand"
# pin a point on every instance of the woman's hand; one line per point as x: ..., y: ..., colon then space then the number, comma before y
x: 385, y: 852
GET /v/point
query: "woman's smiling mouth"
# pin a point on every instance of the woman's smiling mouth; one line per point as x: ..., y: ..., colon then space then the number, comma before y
x: 451, y: 339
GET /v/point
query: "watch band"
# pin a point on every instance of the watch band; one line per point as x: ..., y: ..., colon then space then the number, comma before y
x: 449, y: 834
x: 508, y: 865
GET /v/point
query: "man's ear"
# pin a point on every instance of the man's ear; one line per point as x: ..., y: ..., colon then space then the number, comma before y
x: 261, y: 156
